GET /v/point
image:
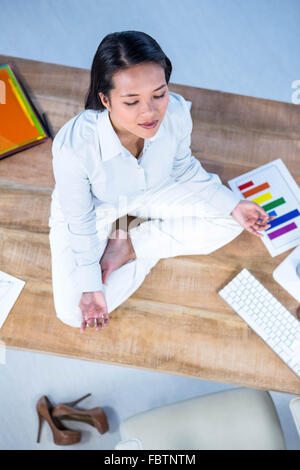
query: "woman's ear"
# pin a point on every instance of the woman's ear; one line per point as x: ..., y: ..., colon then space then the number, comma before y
x: 104, y: 100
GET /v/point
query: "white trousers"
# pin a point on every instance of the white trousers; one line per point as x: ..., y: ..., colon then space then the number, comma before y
x: 178, y: 224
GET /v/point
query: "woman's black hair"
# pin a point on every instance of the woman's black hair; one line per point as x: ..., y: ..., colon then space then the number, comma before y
x: 120, y: 51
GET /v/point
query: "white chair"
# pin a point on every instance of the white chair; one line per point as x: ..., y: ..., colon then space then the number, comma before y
x: 295, y: 410
x: 234, y: 419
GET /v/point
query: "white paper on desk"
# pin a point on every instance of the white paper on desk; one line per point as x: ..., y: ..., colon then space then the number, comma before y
x: 281, y: 187
x: 10, y: 289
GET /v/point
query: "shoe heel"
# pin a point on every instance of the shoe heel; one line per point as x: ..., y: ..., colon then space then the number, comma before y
x: 101, y: 422
x: 73, y: 403
x: 41, y: 420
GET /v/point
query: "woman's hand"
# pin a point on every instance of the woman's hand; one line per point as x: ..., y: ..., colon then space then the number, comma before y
x: 252, y: 217
x: 94, y: 310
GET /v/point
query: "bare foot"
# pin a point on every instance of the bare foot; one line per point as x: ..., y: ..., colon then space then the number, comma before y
x: 118, y: 251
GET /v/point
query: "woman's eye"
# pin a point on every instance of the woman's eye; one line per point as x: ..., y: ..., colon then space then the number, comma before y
x: 157, y: 97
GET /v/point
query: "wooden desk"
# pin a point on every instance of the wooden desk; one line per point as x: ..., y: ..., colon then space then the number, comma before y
x: 175, y: 322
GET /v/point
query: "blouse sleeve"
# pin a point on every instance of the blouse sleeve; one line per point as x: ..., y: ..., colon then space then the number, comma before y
x: 77, y: 205
x: 188, y: 169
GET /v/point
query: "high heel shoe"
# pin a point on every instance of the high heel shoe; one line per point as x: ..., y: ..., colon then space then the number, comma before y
x: 61, y: 435
x: 95, y: 416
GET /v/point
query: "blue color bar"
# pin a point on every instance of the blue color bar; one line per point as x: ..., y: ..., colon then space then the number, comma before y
x: 272, y: 213
x: 283, y: 218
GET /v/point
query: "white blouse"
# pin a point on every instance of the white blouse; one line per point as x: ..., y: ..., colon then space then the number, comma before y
x: 91, y: 168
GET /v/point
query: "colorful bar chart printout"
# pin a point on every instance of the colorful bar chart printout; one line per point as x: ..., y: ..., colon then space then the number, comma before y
x: 273, y: 187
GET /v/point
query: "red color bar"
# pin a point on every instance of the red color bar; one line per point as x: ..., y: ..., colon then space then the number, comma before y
x: 245, y: 185
x: 255, y: 190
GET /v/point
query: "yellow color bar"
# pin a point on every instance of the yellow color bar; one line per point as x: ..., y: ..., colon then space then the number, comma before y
x: 263, y: 198
x: 20, y: 102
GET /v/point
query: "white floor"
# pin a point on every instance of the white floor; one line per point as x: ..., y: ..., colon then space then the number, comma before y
x: 120, y: 391
x: 237, y: 46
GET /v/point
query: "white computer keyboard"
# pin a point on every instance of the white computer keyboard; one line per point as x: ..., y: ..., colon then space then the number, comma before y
x: 266, y: 316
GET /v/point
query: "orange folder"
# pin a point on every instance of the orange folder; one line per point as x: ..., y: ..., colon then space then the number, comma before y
x: 20, y: 125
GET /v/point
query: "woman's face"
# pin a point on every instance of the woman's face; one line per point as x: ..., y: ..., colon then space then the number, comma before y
x: 147, y: 83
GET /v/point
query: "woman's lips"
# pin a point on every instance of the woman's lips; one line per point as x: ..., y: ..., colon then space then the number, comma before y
x: 149, y: 126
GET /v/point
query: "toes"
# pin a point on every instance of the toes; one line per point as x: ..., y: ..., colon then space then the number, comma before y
x: 106, y: 265
x: 105, y: 275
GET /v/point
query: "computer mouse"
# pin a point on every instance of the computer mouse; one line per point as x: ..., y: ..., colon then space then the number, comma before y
x: 298, y: 270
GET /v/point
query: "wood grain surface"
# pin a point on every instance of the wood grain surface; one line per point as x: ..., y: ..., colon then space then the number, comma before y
x: 175, y: 322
